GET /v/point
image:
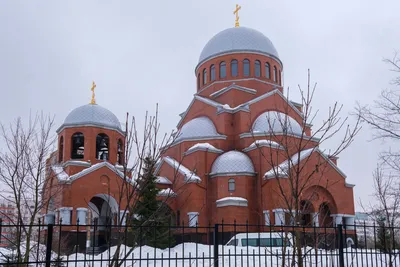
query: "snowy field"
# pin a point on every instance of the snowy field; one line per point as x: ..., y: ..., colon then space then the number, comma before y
x: 191, y: 254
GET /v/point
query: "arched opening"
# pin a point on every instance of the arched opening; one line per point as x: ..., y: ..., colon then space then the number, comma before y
x: 78, y: 146
x: 102, y: 146
x: 104, y: 211
x: 212, y: 72
x: 204, y: 76
x: 306, y: 213
x: 61, y: 149
x: 275, y: 75
x: 231, y: 185
x: 267, y: 71
x: 50, y: 206
x: 120, y: 152
x: 246, y: 67
x: 325, y: 219
x: 257, y: 68
x: 234, y: 68
x: 198, y: 81
x: 222, y: 70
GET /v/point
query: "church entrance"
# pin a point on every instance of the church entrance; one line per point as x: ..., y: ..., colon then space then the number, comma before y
x: 103, y: 210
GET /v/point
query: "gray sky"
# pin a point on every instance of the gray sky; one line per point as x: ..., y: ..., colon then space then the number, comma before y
x: 144, y: 52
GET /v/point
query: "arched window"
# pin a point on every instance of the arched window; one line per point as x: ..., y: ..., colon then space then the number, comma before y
x: 275, y: 75
x: 61, y: 149
x: 78, y: 146
x: 257, y: 68
x: 222, y: 70
x: 198, y: 81
x: 234, y: 68
x: 246, y: 67
x: 204, y: 76
x: 120, y: 152
x: 267, y: 71
x: 231, y: 185
x: 102, y: 147
x: 280, y: 78
x: 212, y: 72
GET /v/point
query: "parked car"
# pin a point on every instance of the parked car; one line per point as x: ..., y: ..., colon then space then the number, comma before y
x: 269, y: 239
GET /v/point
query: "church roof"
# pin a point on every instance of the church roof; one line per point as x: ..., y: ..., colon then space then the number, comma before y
x: 91, y: 115
x: 232, y: 162
x: 235, y: 40
x: 197, y: 129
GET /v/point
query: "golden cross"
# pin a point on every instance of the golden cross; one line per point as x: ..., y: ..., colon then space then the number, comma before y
x: 92, y: 89
x: 236, y: 12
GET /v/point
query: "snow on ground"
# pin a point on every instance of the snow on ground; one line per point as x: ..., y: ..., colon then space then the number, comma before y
x: 201, y: 255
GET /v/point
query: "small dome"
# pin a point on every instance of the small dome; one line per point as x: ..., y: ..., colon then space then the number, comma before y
x: 277, y: 122
x: 232, y: 162
x: 198, y: 128
x: 92, y: 115
x: 238, y: 39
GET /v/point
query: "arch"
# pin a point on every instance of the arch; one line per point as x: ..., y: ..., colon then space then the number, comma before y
x: 61, y: 149
x: 120, y: 152
x: 204, y: 76
x: 222, y: 70
x: 198, y: 81
x: 234, y: 68
x: 231, y: 185
x: 110, y: 200
x: 246, y: 67
x: 257, y: 68
x: 77, y: 146
x: 325, y: 211
x: 275, y: 74
x: 212, y: 72
x: 267, y: 71
x: 102, y: 146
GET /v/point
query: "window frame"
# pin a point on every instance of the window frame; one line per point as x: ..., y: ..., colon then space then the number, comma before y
x: 234, y: 68
x: 246, y: 66
x: 231, y: 182
x: 222, y: 65
x: 257, y: 68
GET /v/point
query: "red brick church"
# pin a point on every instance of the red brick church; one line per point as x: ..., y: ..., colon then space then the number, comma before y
x: 218, y: 166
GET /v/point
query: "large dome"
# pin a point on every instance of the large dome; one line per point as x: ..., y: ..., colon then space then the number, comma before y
x: 92, y: 115
x: 198, y: 128
x: 232, y: 162
x: 276, y: 122
x: 238, y: 39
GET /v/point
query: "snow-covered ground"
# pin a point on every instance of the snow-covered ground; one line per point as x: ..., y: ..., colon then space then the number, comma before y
x: 191, y: 254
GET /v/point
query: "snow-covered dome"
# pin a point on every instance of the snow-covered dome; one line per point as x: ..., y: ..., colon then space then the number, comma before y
x: 277, y: 122
x: 238, y: 39
x: 232, y: 162
x: 198, y: 128
x: 92, y: 115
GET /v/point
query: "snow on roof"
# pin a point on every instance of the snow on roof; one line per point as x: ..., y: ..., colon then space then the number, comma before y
x: 203, y: 147
x: 233, y: 86
x: 63, y: 176
x: 190, y: 177
x: 282, y: 169
x: 167, y: 193
x: 163, y: 180
x: 60, y: 173
x: 231, y: 201
x: 262, y: 143
x: 232, y: 162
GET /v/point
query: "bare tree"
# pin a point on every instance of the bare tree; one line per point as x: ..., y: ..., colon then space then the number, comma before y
x: 298, y: 165
x: 22, y: 172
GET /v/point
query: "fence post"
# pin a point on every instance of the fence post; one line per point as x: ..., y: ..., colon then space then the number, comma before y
x: 49, y: 244
x: 341, y: 245
x: 216, y: 243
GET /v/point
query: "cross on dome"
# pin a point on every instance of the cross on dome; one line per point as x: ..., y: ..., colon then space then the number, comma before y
x: 93, y: 95
x: 236, y: 12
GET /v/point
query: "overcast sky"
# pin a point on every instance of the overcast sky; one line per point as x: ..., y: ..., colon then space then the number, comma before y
x: 141, y: 53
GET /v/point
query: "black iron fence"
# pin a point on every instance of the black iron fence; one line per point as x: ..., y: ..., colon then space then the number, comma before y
x: 213, y: 245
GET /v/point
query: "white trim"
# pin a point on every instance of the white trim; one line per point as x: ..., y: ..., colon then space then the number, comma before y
x: 67, y: 126
x: 76, y: 163
x: 267, y: 134
x: 231, y: 87
x: 215, y: 174
x: 81, y: 209
x: 258, y: 144
x: 198, y: 147
x: 190, y: 177
x: 231, y: 201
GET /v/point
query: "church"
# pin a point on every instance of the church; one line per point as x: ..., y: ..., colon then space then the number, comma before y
x: 230, y: 159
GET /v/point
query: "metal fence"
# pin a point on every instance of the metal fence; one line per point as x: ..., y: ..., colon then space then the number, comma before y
x: 213, y: 245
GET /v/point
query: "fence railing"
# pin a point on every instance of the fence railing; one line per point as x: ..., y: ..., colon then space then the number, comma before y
x: 212, y: 245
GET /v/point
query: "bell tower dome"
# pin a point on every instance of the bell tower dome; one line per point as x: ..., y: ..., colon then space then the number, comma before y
x: 90, y: 134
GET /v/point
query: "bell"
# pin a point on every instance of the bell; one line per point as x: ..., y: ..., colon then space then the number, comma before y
x: 103, y: 144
